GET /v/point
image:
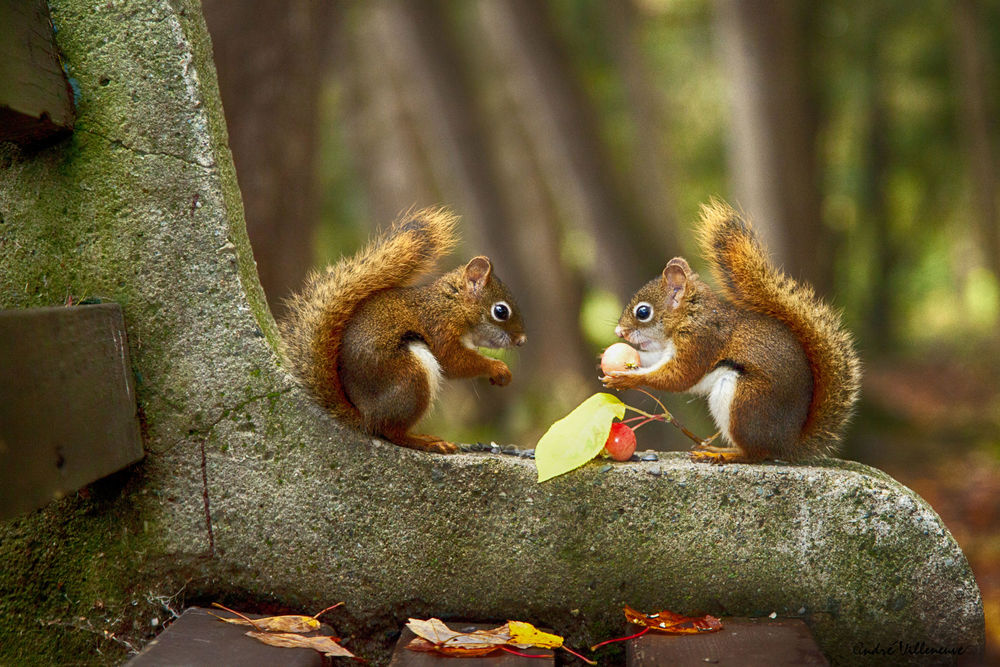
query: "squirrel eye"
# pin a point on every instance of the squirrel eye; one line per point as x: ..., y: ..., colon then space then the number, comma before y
x: 500, y: 311
x: 643, y: 312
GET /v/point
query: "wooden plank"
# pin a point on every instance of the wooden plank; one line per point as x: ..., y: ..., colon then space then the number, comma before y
x: 404, y: 657
x: 747, y: 642
x: 67, y: 402
x: 36, y: 102
x: 198, y: 638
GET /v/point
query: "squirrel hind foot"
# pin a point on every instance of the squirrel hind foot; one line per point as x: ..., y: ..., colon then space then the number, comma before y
x: 424, y: 443
x: 721, y: 456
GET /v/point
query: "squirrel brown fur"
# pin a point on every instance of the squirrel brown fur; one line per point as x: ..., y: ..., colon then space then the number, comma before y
x: 776, y: 364
x: 371, y: 346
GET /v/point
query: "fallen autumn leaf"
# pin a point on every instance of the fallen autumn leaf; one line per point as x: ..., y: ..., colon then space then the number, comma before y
x: 325, y: 645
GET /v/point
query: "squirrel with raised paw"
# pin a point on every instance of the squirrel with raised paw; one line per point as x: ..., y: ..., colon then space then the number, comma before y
x: 372, y: 347
x: 778, y: 369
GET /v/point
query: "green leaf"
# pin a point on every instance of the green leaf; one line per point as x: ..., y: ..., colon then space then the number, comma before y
x: 578, y: 437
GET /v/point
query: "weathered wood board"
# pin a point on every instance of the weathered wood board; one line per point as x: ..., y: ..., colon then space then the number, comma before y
x: 199, y: 638
x: 67, y: 402
x: 36, y: 101
x: 743, y: 642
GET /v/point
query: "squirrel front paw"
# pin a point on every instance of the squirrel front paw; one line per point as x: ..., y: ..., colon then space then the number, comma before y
x: 500, y: 374
x: 621, y: 381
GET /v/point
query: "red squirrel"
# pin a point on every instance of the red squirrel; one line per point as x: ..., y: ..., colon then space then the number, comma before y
x: 778, y: 368
x: 372, y: 347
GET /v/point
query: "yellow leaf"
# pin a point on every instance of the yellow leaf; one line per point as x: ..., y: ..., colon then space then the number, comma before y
x: 525, y: 634
x: 578, y: 437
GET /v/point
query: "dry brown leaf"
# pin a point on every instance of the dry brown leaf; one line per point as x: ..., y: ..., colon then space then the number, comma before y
x: 670, y: 622
x: 433, y: 630
x: 436, y: 632
x: 667, y: 622
x: 286, y: 623
x: 456, y: 651
x: 325, y: 645
x: 434, y: 635
x: 299, y: 624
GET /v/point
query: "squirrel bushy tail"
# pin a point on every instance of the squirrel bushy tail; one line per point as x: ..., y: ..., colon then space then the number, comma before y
x: 746, y: 277
x: 312, y: 331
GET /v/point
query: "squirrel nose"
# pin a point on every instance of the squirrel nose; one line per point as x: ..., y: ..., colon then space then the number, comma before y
x: 520, y: 340
x: 619, y: 331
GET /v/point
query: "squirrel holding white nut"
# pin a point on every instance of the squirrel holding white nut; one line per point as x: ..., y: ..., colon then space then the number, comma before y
x: 777, y: 366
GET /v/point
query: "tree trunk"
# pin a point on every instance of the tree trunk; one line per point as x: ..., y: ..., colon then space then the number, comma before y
x: 773, y: 138
x: 882, y: 312
x: 270, y: 60
x: 382, y: 125
x: 560, y: 121
x: 650, y: 173
x: 977, y: 120
x: 416, y: 41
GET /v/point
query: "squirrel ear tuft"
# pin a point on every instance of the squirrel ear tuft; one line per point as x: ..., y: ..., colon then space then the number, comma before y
x: 477, y: 273
x: 675, y: 278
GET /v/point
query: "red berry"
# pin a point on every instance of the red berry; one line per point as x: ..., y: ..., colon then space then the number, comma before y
x: 621, y: 442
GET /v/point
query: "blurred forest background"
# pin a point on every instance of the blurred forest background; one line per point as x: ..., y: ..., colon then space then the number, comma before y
x: 577, y: 139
